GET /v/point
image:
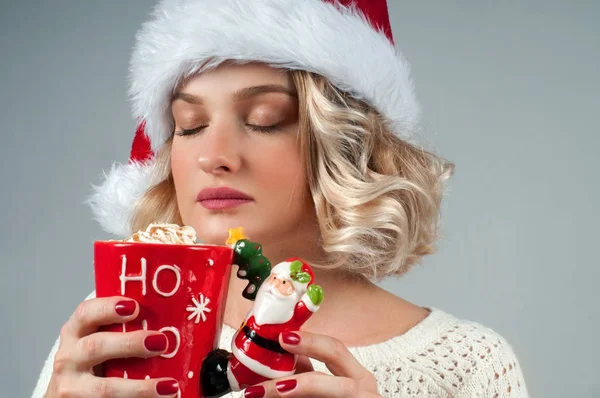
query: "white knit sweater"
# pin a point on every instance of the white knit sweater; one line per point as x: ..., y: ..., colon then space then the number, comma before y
x: 442, y: 356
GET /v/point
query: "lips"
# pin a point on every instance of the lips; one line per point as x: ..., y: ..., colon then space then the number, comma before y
x: 222, y: 198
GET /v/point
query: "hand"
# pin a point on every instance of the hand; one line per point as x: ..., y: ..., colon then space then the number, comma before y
x: 82, y: 347
x: 350, y: 379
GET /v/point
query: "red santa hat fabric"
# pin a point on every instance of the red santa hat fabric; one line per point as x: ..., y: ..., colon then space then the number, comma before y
x: 348, y: 41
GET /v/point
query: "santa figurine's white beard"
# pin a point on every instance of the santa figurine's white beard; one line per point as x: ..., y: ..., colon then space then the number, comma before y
x: 271, y: 307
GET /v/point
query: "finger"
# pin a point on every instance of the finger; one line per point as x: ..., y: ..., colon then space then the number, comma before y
x: 336, y: 356
x: 314, y: 384
x: 98, y: 347
x: 303, y: 365
x: 93, y: 313
x: 115, y: 387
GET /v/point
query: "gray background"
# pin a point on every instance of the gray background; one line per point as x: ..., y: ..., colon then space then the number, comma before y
x: 510, y: 93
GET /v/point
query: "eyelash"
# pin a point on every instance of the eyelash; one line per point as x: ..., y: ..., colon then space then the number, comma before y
x: 253, y: 127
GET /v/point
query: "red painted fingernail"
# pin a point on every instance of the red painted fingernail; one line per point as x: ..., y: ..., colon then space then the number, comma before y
x: 290, y: 338
x: 167, y: 387
x: 254, y: 392
x: 125, y: 307
x: 286, y: 385
x: 157, y: 342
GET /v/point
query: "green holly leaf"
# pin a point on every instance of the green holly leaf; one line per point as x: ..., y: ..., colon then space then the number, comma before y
x: 296, y: 266
x: 315, y: 294
x: 302, y: 277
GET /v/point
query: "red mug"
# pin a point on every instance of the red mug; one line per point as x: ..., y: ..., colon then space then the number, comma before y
x: 181, y: 291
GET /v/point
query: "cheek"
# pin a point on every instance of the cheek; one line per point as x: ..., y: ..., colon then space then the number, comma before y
x: 285, y: 200
x: 182, y: 171
x: 180, y: 167
x: 286, y: 289
x: 283, y: 170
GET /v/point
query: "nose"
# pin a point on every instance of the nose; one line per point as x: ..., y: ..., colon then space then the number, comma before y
x: 219, y: 151
x: 285, y: 287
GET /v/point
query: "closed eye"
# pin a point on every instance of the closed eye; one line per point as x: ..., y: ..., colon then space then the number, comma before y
x: 253, y: 127
x: 263, y: 129
x: 184, y: 132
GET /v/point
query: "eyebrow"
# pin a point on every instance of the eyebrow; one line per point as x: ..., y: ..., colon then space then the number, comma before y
x: 239, y: 95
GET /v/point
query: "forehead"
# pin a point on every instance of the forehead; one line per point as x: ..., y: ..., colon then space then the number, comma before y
x: 230, y: 77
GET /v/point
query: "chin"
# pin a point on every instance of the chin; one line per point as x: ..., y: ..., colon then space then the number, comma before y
x: 214, y: 228
x: 211, y: 236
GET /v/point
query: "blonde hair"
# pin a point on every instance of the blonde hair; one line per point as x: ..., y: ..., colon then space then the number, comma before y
x: 377, y: 197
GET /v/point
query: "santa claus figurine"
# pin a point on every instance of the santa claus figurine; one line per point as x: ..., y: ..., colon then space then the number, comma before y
x: 284, y: 301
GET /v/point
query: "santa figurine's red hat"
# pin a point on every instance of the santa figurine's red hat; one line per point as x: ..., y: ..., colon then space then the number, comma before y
x: 347, y: 41
x: 298, y: 272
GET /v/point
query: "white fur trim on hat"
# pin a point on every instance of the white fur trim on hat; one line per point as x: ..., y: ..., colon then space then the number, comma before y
x: 113, y: 201
x: 185, y: 37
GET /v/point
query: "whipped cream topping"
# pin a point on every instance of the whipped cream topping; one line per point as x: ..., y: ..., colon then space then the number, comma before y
x: 165, y: 233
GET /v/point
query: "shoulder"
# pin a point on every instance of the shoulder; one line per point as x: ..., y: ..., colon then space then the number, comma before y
x: 447, y: 356
x: 493, y: 364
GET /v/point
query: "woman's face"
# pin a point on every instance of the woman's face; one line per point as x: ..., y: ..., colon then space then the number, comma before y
x: 236, y: 159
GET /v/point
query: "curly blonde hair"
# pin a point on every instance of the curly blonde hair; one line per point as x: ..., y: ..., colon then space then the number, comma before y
x: 377, y: 197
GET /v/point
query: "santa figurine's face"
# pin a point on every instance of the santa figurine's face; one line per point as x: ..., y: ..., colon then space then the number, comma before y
x: 282, y: 285
x: 275, y: 301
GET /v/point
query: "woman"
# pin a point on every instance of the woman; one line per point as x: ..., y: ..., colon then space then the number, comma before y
x: 297, y: 120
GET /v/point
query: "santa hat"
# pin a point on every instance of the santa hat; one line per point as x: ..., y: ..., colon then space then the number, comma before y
x: 347, y: 41
x: 297, y: 271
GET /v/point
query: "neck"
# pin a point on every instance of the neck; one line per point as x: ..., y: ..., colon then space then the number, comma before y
x: 347, y: 298
x: 339, y: 288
